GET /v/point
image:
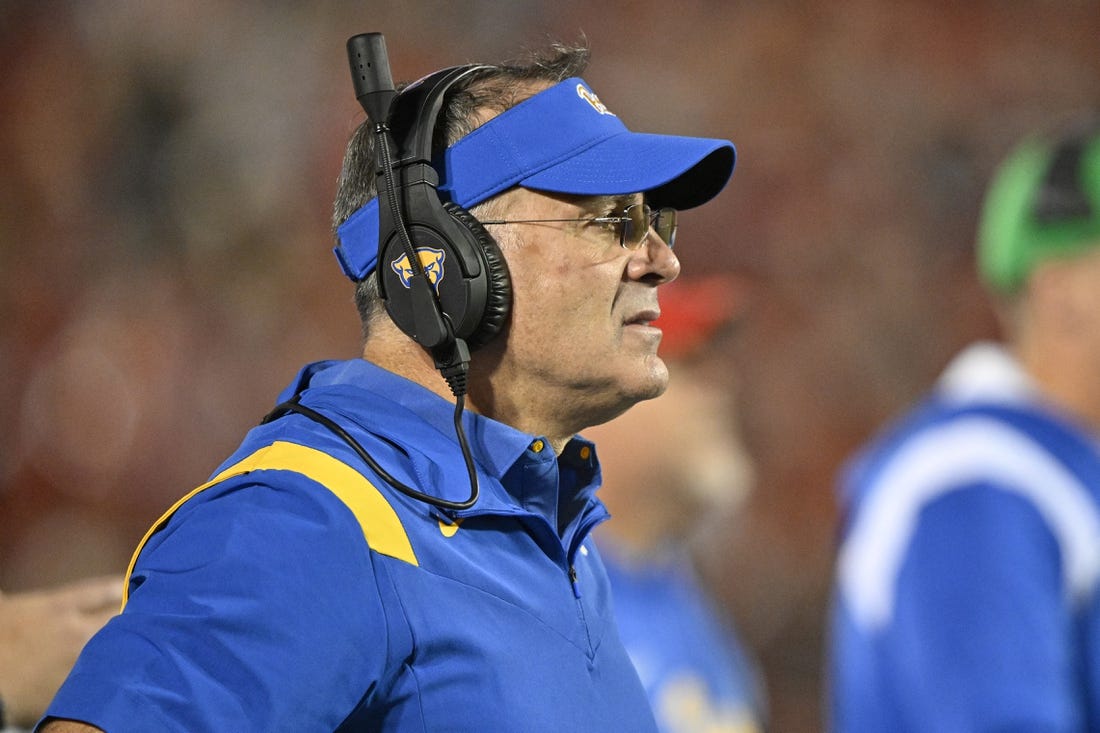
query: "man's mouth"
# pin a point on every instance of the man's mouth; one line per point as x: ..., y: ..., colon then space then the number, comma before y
x: 643, y: 318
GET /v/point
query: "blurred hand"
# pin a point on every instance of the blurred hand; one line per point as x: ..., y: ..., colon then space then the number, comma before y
x: 41, y: 633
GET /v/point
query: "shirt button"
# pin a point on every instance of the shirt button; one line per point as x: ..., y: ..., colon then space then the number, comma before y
x: 537, y: 446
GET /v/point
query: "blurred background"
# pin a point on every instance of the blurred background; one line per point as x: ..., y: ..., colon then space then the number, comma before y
x: 166, y: 173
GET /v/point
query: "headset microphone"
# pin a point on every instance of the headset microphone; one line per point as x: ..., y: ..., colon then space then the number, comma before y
x: 370, y: 74
x: 373, y: 82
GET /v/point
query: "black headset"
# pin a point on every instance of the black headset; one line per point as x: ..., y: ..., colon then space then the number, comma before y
x: 459, y: 296
x: 1060, y: 196
x: 441, y: 275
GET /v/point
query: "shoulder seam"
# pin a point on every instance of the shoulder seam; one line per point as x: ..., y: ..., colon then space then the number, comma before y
x: 382, y: 528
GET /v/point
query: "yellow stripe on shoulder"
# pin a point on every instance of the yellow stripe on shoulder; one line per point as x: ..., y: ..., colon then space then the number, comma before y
x: 382, y: 527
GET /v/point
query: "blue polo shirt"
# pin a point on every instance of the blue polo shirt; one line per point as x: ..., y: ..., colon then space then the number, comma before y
x: 298, y: 591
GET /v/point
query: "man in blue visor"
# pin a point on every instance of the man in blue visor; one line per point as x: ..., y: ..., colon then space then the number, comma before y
x: 404, y: 543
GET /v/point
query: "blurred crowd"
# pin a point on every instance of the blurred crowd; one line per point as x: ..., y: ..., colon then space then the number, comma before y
x: 166, y: 171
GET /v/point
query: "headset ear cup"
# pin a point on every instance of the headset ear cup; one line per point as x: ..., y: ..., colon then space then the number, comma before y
x: 498, y: 299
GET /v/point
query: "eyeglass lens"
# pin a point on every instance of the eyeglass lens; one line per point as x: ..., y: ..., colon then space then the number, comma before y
x: 639, y: 219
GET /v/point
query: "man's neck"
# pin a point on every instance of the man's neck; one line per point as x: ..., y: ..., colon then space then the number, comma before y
x: 401, y: 355
x: 489, y: 394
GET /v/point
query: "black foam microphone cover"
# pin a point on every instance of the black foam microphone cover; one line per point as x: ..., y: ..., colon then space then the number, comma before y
x: 370, y: 74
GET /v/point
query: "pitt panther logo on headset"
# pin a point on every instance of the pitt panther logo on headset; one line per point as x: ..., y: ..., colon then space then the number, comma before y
x: 431, y: 259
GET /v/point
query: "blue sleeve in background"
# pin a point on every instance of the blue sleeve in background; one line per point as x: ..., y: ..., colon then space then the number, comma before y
x: 980, y: 635
x: 982, y: 632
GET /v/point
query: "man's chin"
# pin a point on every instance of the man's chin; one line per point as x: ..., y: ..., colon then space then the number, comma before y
x: 652, y: 380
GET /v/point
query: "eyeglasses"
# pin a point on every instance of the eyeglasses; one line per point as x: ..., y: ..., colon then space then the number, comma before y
x: 633, y: 224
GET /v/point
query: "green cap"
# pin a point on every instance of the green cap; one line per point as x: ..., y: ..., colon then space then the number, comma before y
x: 1044, y: 202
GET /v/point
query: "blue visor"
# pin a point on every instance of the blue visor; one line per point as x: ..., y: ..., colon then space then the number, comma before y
x: 561, y: 140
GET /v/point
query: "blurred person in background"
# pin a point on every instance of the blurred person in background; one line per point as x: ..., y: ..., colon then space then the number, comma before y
x: 966, y: 595
x: 403, y: 543
x: 41, y: 633
x: 670, y: 466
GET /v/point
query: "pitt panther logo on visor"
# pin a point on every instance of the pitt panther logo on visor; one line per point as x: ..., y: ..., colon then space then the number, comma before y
x: 593, y: 100
x: 431, y: 259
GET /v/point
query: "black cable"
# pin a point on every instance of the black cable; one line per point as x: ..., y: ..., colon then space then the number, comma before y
x: 452, y: 359
x: 293, y: 405
x: 381, y: 131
